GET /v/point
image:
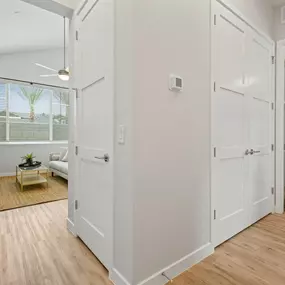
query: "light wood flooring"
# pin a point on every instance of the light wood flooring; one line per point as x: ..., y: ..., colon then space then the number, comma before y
x: 37, y: 249
x: 254, y: 257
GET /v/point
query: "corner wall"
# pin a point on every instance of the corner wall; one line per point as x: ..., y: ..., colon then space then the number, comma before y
x: 171, y: 135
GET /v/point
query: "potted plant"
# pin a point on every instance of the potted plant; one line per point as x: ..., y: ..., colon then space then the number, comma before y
x: 29, y: 159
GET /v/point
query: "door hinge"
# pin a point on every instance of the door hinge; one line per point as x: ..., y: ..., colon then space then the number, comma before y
x: 76, y: 150
x: 215, y: 214
x: 77, y: 94
x: 215, y: 19
x: 272, y: 106
x: 215, y: 86
x: 272, y: 147
x: 273, y: 59
x: 215, y: 152
x: 76, y: 35
x: 272, y: 191
x: 76, y: 204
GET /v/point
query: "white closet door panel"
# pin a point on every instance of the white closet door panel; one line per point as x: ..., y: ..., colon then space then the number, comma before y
x: 260, y: 126
x: 229, y: 127
x: 230, y: 35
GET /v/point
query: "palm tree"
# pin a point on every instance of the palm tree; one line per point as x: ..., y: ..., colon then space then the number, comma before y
x: 63, y: 98
x: 33, y: 95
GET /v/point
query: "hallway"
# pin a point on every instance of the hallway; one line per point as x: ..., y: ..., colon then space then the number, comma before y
x: 37, y: 249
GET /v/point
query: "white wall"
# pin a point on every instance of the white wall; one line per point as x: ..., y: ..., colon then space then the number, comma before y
x: 259, y: 12
x: 22, y: 66
x: 172, y: 133
x: 279, y: 29
x: 11, y: 155
x: 124, y: 154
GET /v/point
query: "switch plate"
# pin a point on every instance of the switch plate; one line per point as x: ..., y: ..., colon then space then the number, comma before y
x: 121, y: 139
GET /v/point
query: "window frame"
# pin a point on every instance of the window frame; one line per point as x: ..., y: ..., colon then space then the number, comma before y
x: 8, y: 83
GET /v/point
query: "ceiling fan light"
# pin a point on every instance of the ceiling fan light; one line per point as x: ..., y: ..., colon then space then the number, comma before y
x: 63, y: 75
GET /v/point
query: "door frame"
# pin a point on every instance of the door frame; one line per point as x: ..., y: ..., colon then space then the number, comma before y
x: 280, y: 127
x: 240, y: 15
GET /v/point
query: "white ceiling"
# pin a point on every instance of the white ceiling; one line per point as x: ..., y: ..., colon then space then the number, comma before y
x: 276, y: 3
x: 25, y: 27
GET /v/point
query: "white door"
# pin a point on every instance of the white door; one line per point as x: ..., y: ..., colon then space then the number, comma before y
x: 229, y: 133
x: 94, y: 217
x: 259, y: 81
x: 241, y: 126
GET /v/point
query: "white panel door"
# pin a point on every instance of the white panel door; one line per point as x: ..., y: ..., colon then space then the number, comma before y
x: 242, y: 131
x: 229, y: 127
x: 94, y: 218
x: 259, y: 81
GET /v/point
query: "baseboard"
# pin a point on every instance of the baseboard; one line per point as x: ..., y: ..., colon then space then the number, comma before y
x: 179, y: 266
x: 171, y: 271
x: 117, y: 278
x: 71, y: 227
x: 8, y: 174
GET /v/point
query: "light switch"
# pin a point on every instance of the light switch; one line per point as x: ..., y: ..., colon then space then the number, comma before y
x: 121, y: 139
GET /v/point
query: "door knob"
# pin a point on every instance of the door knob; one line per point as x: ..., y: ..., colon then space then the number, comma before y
x: 252, y: 151
x: 106, y: 157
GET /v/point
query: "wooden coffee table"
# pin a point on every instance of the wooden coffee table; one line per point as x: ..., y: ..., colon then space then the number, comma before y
x: 27, y: 177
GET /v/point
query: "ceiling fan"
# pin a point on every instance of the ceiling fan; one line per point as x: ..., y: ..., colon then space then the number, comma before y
x: 63, y: 74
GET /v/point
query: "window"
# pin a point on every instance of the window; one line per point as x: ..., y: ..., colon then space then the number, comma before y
x: 33, y: 113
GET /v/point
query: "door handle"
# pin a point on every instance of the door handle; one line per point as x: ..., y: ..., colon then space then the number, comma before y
x: 247, y: 152
x: 106, y: 157
x: 252, y: 151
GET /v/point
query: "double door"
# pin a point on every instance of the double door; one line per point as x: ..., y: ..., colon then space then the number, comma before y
x: 242, y: 125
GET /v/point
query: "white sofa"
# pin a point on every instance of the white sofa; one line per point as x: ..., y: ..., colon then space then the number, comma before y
x: 58, y: 167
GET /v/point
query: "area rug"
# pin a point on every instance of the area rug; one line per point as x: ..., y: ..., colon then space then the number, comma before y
x: 12, y: 197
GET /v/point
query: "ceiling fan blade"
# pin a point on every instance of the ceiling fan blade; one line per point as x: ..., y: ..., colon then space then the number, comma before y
x: 48, y: 75
x: 46, y: 67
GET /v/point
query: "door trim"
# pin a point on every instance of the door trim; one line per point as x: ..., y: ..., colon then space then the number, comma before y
x: 280, y: 125
x: 240, y: 15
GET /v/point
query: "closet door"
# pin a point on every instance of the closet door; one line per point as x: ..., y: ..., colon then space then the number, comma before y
x: 259, y: 81
x: 229, y: 127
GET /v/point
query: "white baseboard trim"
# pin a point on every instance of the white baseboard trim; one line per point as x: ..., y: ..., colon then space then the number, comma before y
x: 171, y: 271
x: 117, y: 278
x: 180, y: 266
x: 71, y: 227
x: 7, y: 174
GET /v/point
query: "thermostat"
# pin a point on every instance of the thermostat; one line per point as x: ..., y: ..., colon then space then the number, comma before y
x: 175, y: 83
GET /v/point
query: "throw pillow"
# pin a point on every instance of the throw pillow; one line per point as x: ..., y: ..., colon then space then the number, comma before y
x: 63, y: 154
x: 65, y: 159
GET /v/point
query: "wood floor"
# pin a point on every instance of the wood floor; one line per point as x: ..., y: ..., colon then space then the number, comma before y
x: 254, y: 257
x: 12, y: 197
x: 36, y: 249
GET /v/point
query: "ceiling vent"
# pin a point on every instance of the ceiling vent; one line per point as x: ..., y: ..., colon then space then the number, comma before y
x: 283, y: 15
